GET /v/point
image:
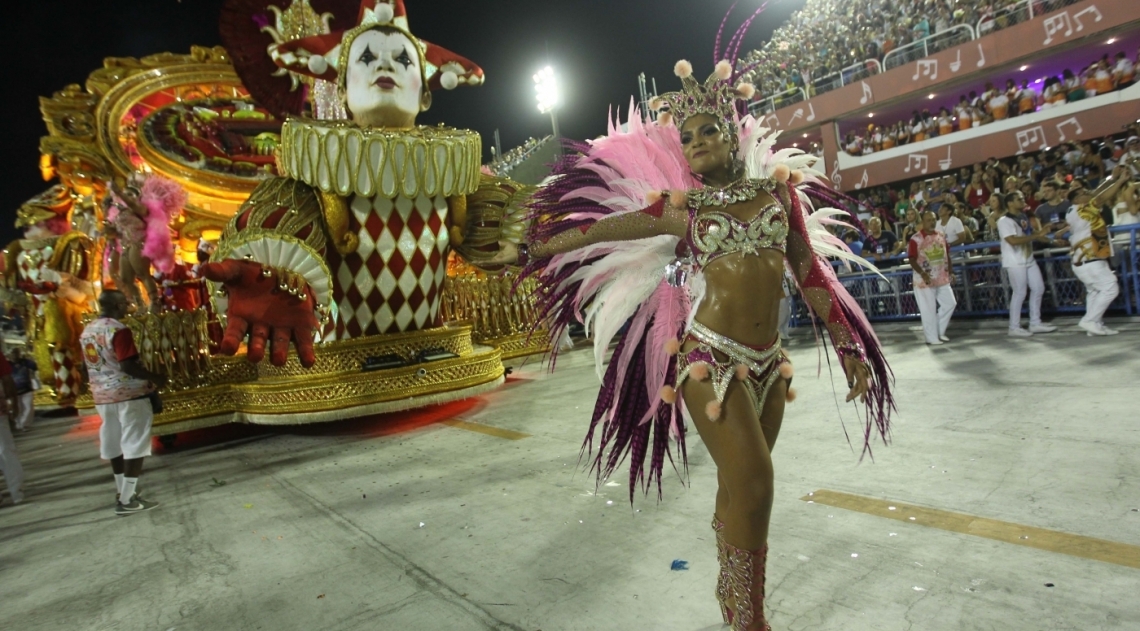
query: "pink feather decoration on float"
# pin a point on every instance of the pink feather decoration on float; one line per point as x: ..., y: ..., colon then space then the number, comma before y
x: 164, y: 200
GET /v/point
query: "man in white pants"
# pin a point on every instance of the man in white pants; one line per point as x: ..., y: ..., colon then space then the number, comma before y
x: 1016, y: 233
x: 1091, y: 249
x: 9, y: 462
x: 24, y: 376
x: 120, y: 386
x: 929, y: 257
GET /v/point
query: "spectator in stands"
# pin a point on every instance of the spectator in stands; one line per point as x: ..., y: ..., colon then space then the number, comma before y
x: 945, y: 124
x: 937, y: 198
x: 1011, y: 94
x: 950, y: 226
x: 1029, y: 190
x: 1016, y: 234
x: 1126, y: 209
x: 1074, y: 87
x: 1091, y: 250
x: 978, y: 192
x: 1123, y: 72
x: 1026, y: 98
x: 929, y: 257
x: 880, y: 245
x: 911, y: 224
x: 1053, y: 206
x: 1131, y: 155
x: 1053, y: 93
x: 917, y: 128
x: 902, y: 205
x: 962, y: 212
x: 1089, y: 165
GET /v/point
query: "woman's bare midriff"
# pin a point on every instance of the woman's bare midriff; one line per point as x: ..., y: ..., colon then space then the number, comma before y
x: 742, y: 296
x: 743, y: 291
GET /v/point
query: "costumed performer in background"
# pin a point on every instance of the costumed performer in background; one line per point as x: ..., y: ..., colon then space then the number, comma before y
x: 139, y: 215
x: 685, y: 232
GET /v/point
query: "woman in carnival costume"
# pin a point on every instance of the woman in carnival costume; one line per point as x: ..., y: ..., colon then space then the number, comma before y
x: 684, y: 228
x: 139, y: 215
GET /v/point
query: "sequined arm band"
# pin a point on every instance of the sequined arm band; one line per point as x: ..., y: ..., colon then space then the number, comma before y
x: 812, y: 274
x: 658, y: 219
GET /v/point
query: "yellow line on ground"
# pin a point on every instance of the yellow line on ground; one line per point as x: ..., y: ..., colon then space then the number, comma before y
x: 497, y: 432
x: 1040, y: 538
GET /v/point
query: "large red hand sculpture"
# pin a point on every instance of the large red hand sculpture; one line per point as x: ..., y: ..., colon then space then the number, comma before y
x: 258, y: 306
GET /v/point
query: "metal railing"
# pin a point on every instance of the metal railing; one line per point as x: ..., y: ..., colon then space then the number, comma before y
x: 929, y: 45
x: 982, y: 287
x: 846, y: 76
x: 776, y: 101
x: 1022, y: 11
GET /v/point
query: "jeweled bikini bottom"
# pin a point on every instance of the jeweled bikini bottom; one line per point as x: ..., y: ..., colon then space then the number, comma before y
x: 757, y: 368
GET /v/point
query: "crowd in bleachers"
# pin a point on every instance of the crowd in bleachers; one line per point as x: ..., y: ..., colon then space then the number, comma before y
x: 503, y: 165
x: 972, y: 195
x: 828, y: 36
x: 995, y: 104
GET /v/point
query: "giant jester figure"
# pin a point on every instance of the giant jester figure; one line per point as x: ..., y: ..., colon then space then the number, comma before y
x: 53, y: 265
x: 353, y: 241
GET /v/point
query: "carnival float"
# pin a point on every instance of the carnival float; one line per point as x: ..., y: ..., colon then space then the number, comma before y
x: 316, y: 223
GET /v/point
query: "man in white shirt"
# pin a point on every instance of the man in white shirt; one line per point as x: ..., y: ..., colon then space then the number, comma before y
x: 950, y: 226
x: 1131, y: 155
x: 1016, y: 234
x: 1091, y: 249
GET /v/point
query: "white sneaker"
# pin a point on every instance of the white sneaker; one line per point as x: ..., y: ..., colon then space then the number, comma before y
x: 1092, y: 328
x: 1042, y: 328
x: 937, y: 343
x: 943, y: 338
x: 1108, y: 331
x: 1020, y: 332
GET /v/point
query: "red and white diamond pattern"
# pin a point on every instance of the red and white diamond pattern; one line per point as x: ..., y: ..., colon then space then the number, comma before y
x: 392, y: 283
x: 65, y: 368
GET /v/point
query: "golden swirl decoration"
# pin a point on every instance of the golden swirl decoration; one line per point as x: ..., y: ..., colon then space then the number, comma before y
x: 342, y: 158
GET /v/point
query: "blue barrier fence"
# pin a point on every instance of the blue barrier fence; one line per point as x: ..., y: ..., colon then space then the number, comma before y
x: 982, y: 288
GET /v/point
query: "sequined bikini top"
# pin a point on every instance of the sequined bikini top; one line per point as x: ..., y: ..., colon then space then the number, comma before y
x: 715, y: 233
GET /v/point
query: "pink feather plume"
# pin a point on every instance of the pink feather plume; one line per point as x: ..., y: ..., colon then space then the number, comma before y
x: 164, y: 200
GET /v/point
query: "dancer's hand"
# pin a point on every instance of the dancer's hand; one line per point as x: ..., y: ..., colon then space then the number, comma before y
x: 858, y: 377
x: 259, y: 308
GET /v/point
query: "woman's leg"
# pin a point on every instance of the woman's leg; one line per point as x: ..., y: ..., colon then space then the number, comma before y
x: 141, y: 265
x: 772, y: 416
x: 739, y: 448
x: 127, y: 274
x: 739, y: 442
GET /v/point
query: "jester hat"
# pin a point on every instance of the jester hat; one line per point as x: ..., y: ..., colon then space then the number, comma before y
x: 247, y: 27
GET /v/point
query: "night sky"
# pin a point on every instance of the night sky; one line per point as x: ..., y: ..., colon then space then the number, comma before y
x: 597, y: 47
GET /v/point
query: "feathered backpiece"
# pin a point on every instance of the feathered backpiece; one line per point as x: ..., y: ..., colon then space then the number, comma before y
x: 647, y: 285
x: 164, y: 200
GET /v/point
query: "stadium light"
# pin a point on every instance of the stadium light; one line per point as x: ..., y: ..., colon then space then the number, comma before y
x: 548, y: 95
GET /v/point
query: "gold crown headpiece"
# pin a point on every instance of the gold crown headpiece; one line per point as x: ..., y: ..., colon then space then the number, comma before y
x: 715, y: 97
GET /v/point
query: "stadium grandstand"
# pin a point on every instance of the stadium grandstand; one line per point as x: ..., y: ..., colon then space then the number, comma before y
x: 940, y: 105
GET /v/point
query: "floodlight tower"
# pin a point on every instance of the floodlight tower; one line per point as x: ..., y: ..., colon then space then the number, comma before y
x: 549, y: 96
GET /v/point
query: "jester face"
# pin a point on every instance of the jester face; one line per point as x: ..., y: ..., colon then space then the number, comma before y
x: 384, y: 84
